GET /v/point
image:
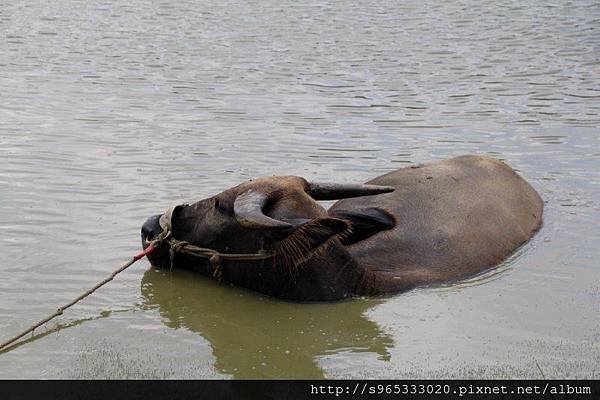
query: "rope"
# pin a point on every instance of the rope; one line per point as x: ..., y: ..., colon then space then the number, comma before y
x: 151, y: 247
x: 214, y: 257
x: 187, y: 248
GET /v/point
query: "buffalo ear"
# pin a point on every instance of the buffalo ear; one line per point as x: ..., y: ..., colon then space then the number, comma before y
x: 364, y: 223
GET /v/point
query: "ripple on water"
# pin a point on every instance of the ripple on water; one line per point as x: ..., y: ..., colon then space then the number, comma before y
x: 114, y: 112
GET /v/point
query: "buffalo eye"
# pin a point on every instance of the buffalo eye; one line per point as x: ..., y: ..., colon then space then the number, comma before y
x: 219, y: 206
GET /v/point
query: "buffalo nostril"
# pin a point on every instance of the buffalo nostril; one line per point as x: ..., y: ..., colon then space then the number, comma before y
x: 145, y: 231
x: 148, y: 233
x: 150, y: 229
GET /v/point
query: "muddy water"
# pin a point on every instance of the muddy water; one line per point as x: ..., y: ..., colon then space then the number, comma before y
x: 113, y: 111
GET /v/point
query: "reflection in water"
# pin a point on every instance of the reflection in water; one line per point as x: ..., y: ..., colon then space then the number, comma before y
x: 57, y: 328
x: 258, y: 337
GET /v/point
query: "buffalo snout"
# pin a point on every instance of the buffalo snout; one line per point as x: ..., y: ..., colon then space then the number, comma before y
x: 150, y: 230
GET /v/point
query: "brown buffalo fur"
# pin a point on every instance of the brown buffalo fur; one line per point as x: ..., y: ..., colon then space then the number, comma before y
x: 311, y: 239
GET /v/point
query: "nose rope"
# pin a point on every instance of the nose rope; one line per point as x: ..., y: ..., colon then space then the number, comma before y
x: 214, y: 257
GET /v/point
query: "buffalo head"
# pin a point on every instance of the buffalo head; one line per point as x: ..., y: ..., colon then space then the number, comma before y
x: 279, y: 215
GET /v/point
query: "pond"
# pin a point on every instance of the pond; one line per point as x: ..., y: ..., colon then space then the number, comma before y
x: 114, y: 111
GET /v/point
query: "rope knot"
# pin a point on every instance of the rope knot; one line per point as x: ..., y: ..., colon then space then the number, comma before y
x: 216, y: 262
x: 175, y: 247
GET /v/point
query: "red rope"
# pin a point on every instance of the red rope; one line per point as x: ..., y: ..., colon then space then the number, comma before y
x: 144, y: 253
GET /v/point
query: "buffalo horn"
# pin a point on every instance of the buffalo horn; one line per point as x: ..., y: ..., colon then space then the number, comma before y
x: 248, y: 211
x: 335, y: 191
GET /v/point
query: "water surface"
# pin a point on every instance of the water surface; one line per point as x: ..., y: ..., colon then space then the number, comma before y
x: 114, y: 111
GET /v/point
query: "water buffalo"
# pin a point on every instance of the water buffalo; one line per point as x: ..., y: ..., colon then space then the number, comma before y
x: 423, y: 225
